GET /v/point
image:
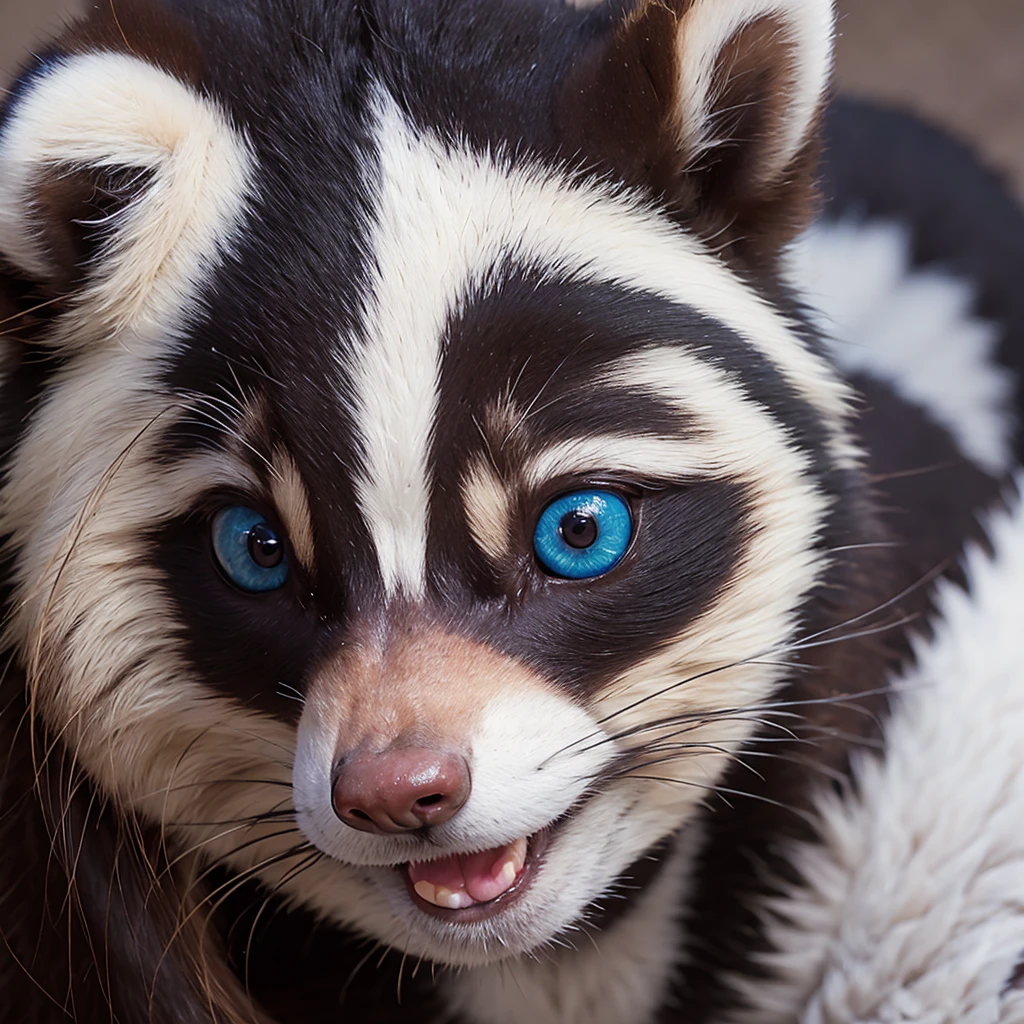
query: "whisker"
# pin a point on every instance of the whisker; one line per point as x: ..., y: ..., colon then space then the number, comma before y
x: 32, y: 309
x: 224, y: 857
x: 226, y: 889
x: 289, y: 876
x: 923, y: 581
x: 295, y: 694
x: 818, y: 639
x: 860, y: 635
x: 255, y: 819
x: 654, y: 762
x: 355, y: 970
x: 720, y: 790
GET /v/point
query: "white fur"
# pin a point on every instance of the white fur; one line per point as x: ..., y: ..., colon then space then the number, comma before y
x: 912, y: 328
x: 913, y: 908
x: 618, y: 975
x: 427, y: 254
x: 444, y: 217
x: 704, y: 31
x: 109, y: 110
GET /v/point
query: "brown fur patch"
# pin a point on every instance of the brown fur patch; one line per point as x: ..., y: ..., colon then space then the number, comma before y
x: 617, y: 103
x: 753, y: 78
x: 292, y: 501
x: 418, y: 683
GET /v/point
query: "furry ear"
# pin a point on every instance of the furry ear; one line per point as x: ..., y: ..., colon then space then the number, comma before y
x: 713, y: 103
x: 119, y: 181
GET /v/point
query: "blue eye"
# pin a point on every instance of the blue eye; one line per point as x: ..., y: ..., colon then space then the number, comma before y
x: 249, y: 550
x: 583, y: 535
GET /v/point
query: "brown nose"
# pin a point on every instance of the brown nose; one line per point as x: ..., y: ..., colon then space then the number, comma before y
x: 399, y: 790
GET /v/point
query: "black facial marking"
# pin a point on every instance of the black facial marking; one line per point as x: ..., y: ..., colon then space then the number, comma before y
x: 544, y: 348
x: 583, y: 633
x: 255, y: 648
x: 553, y: 338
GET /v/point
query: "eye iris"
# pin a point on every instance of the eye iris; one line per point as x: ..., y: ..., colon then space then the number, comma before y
x: 265, y: 547
x: 583, y: 535
x: 578, y: 529
x: 250, y: 551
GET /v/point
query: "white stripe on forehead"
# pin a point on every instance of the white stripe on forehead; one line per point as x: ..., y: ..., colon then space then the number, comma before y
x: 444, y: 218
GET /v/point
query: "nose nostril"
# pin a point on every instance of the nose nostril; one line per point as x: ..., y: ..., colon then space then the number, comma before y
x: 400, y: 789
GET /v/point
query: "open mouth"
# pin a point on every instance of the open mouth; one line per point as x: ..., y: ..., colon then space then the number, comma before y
x: 473, y: 887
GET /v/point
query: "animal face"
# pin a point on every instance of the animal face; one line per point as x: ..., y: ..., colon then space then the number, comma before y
x: 418, y: 480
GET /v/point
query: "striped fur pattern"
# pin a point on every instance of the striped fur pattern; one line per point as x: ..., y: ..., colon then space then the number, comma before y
x: 397, y: 277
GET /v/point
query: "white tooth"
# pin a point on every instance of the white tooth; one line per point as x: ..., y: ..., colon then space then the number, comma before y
x: 452, y: 899
x: 508, y: 874
x: 518, y: 854
x: 442, y: 896
x: 426, y: 891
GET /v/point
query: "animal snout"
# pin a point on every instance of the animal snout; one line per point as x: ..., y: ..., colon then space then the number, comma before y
x: 399, y: 789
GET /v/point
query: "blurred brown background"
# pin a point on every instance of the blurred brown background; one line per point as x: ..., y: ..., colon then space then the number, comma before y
x: 960, y: 62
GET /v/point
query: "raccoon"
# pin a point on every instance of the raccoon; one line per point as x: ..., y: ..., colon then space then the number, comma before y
x: 456, y: 508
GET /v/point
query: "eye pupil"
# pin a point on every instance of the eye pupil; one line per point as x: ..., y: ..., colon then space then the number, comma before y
x: 265, y: 547
x: 578, y: 529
